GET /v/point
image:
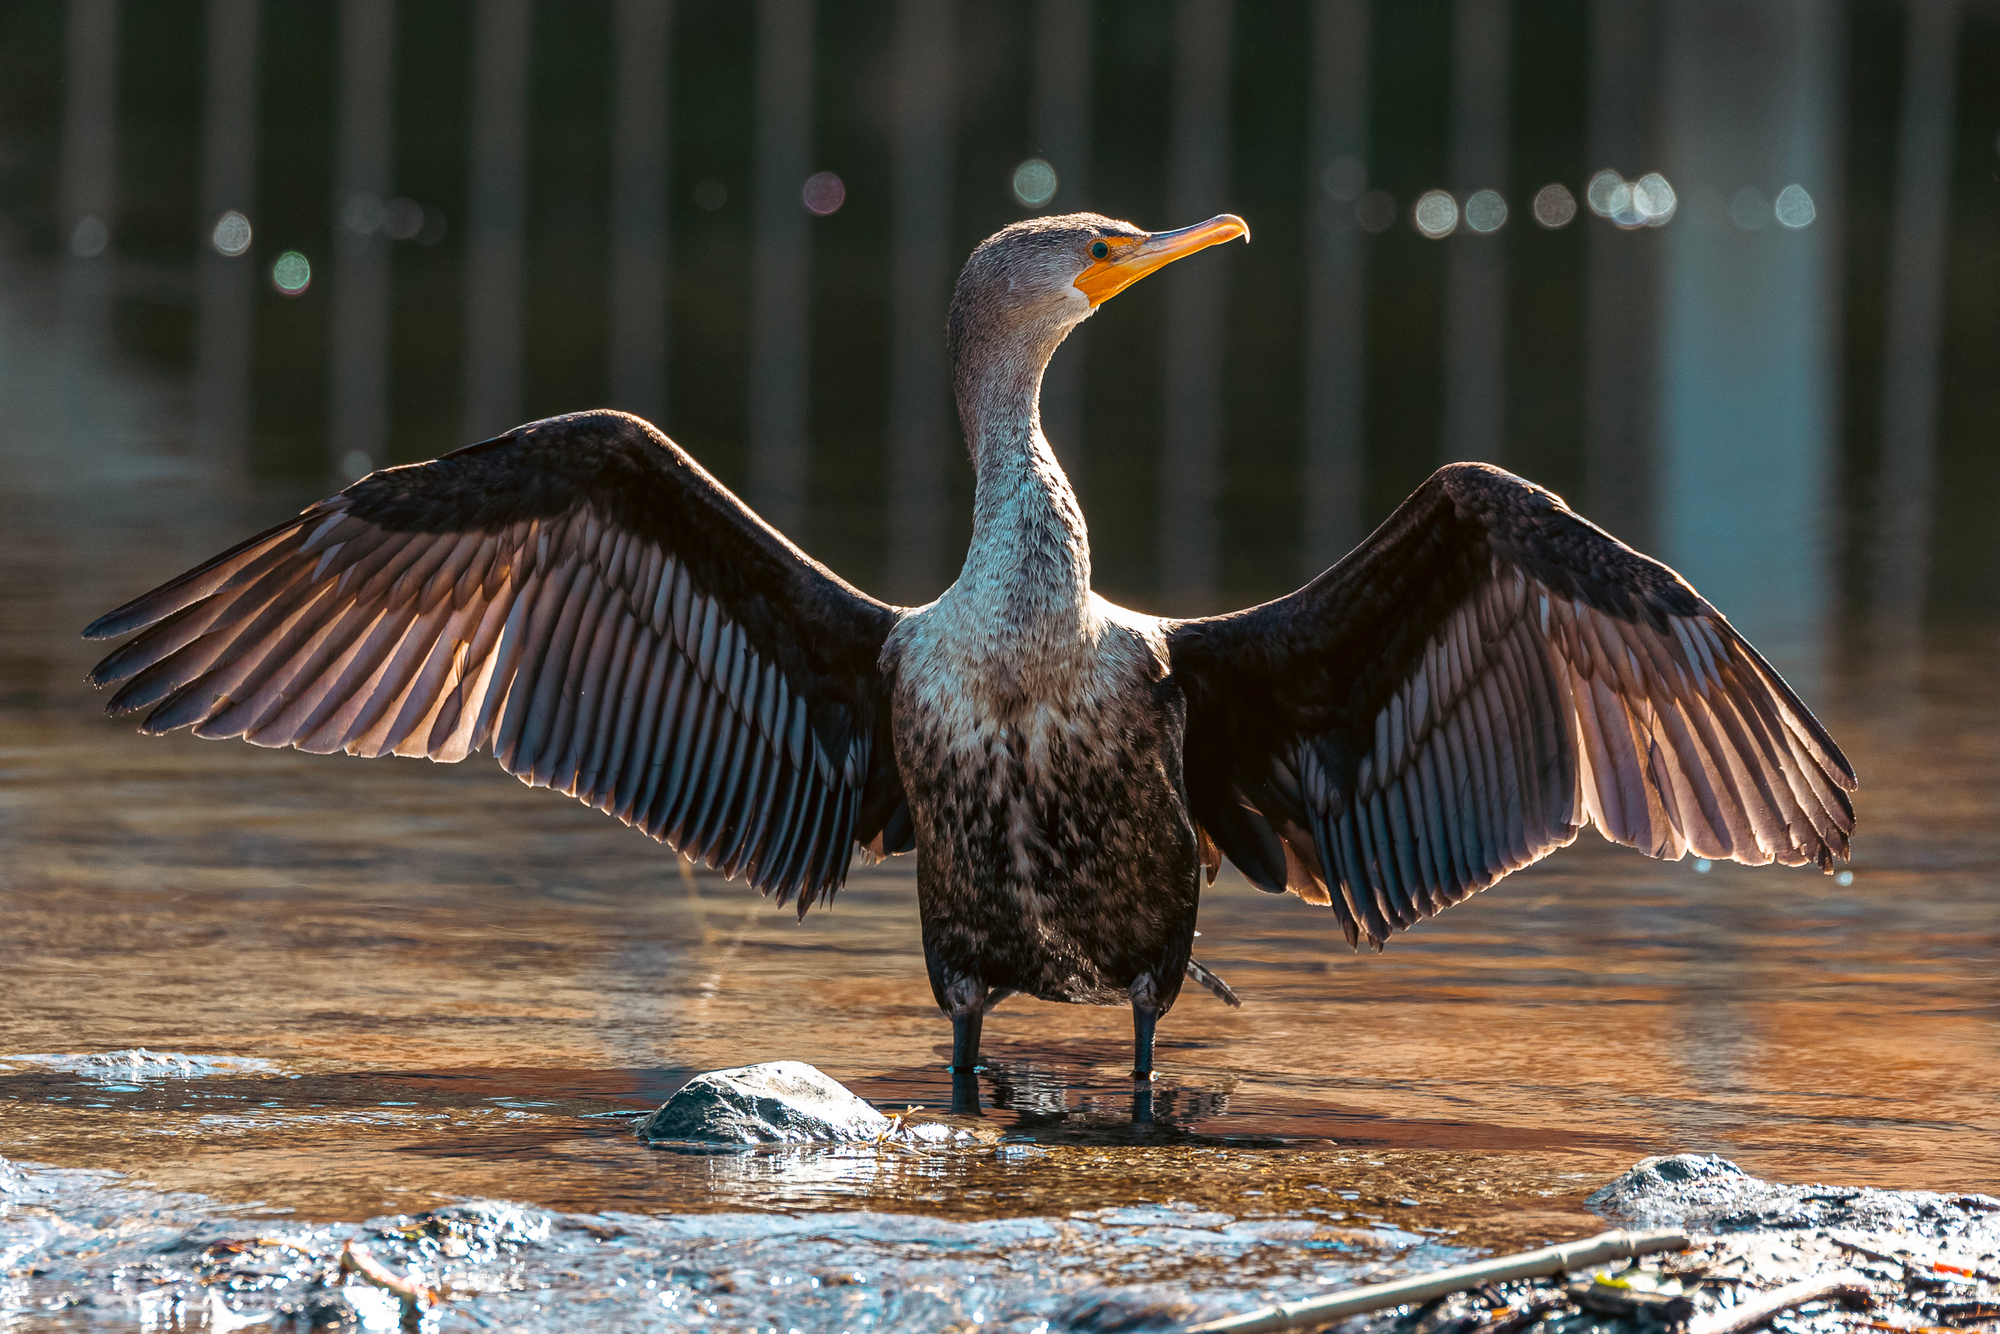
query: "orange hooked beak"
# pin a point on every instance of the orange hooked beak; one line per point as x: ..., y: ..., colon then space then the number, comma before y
x: 1130, y: 258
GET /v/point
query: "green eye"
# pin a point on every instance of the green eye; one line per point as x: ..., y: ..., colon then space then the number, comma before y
x: 1099, y: 249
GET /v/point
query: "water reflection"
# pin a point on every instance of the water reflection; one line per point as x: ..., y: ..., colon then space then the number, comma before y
x: 1199, y: 171
x: 919, y: 402
x: 225, y: 277
x: 1476, y: 278
x: 780, y: 260
x: 1910, y: 376
x: 1749, y: 356
x: 1331, y: 474
x: 496, y: 227
x: 642, y: 155
x: 358, y: 361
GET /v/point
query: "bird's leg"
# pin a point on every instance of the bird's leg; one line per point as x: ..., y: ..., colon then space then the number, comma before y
x: 965, y: 1001
x: 965, y: 1026
x: 1145, y: 1017
x: 966, y: 1004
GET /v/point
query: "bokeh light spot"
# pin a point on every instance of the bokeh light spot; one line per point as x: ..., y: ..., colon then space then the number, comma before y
x: 1795, y: 207
x: 1749, y: 210
x: 1344, y: 179
x: 1653, y: 199
x: 1624, y: 212
x: 1436, y: 214
x: 1602, y: 192
x: 355, y: 464
x: 824, y: 193
x: 1555, y: 206
x: 1034, y: 183
x: 1486, y: 211
x: 292, y: 274
x: 1376, y: 212
x: 710, y: 194
x: 231, y: 235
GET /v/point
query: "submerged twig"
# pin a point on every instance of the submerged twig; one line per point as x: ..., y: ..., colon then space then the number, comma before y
x: 1424, y: 1287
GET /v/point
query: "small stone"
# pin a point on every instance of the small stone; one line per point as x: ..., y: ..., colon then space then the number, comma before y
x: 778, y: 1102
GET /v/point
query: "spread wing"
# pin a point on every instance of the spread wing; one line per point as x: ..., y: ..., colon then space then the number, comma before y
x: 583, y: 599
x: 1467, y: 689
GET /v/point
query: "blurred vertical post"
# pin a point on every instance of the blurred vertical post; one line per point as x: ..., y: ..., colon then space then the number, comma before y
x: 1060, y: 118
x: 87, y: 185
x: 1916, y: 301
x: 1197, y: 305
x: 1476, y: 281
x: 920, y: 290
x: 639, y: 210
x: 359, y: 435
x: 498, y: 200
x: 1619, y: 396
x: 778, y: 263
x: 1749, y: 316
x: 228, y: 283
x: 1335, y: 175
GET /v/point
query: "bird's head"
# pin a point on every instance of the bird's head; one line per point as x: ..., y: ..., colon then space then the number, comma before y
x: 1028, y: 285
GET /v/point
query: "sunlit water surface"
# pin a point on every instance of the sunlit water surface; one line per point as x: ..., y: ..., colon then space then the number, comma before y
x: 388, y: 986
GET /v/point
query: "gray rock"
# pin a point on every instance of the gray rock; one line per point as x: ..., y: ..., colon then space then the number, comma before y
x: 778, y: 1102
x: 1705, y: 1193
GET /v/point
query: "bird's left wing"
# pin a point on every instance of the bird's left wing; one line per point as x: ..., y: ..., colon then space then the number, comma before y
x: 1484, y: 675
x: 583, y: 599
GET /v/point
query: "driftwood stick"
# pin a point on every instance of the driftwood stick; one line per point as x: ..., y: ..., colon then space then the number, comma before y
x: 1846, y: 1284
x: 1424, y: 1287
x: 357, y: 1260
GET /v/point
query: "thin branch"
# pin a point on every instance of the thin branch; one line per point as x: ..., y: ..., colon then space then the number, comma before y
x: 1424, y: 1287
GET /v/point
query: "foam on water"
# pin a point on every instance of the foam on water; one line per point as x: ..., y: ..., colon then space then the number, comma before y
x: 136, y: 1065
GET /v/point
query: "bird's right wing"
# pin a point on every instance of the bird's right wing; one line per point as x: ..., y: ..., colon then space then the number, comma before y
x: 577, y: 595
x: 1481, y: 678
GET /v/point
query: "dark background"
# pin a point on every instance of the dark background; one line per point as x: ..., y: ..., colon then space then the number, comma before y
x: 1857, y: 75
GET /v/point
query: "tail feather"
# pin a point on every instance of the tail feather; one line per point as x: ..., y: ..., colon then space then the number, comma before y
x: 1199, y: 972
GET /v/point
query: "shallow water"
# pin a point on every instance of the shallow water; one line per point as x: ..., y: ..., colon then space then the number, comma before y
x: 384, y: 987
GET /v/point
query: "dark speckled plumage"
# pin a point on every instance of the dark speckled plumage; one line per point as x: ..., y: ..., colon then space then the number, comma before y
x: 1483, y: 676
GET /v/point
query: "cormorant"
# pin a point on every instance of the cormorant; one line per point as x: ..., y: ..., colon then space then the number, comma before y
x: 1487, y: 673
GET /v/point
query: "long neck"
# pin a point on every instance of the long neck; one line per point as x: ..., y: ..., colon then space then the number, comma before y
x: 1028, y: 535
